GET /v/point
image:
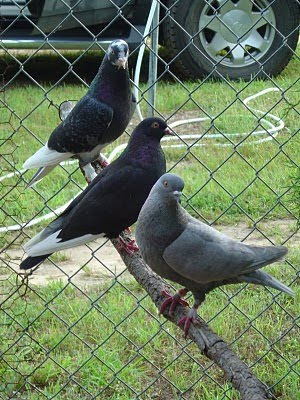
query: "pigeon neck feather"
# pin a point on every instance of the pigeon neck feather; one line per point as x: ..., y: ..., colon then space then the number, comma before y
x: 166, y: 220
x: 142, y: 150
x: 110, y: 82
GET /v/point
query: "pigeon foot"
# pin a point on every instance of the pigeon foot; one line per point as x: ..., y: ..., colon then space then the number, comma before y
x: 103, y: 161
x: 187, y: 320
x: 89, y: 172
x: 129, y: 247
x: 173, y: 301
x: 104, y: 164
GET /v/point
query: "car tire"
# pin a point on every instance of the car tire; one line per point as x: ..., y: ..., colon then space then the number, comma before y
x: 194, y: 59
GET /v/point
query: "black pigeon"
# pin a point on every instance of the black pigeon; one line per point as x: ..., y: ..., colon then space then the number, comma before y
x: 113, y: 200
x: 181, y: 248
x: 99, y: 118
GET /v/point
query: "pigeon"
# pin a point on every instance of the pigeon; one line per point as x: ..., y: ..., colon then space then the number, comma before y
x: 184, y: 250
x: 98, y: 119
x: 112, y: 201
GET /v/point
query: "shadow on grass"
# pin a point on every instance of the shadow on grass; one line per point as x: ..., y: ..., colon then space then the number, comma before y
x: 49, y: 67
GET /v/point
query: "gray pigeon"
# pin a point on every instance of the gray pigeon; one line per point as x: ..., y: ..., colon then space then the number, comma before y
x: 99, y: 118
x: 182, y: 249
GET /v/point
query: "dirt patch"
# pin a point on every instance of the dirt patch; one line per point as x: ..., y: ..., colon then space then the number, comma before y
x: 99, y: 261
x: 84, y: 265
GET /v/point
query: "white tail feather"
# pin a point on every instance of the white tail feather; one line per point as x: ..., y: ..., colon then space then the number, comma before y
x: 43, y: 171
x: 45, y: 157
x: 36, y: 239
x: 52, y: 243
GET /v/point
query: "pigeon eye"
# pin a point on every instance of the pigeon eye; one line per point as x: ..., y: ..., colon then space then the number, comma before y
x: 165, y: 183
x: 112, y: 52
x: 155, y: 125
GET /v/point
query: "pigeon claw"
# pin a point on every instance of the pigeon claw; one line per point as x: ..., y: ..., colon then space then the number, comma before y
x: 173, y: 301
x: 187, y: 320
x: 104, y: 163
x: 129, y: 247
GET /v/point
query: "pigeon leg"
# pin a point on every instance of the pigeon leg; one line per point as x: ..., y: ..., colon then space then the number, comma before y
x: 190, y: 317
x: 173, y: 300
x: 102, y: 160
x: 88, y: 171
x: 129, y: 247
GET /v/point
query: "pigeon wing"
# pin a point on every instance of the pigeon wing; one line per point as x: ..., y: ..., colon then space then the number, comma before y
x: 101, y: 210
x: 203, y: 254
x: 84, y: 127
x: 108, y: 207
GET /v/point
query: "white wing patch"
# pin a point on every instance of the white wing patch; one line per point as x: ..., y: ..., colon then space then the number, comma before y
x: 45, y: 157
x: 52, y: 243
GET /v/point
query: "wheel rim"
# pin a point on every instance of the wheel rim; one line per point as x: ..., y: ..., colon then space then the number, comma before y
x: 236, y: 33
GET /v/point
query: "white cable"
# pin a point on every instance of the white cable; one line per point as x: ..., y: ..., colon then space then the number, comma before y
x: 139, y: 60
x: 36, y: 221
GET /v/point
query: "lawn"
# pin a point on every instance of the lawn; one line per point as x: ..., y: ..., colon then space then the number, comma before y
x: 111, y: 344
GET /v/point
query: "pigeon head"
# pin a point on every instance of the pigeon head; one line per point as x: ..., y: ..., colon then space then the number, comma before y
x: 117, y: 53
x: 169, y: 188
x: 152, y: 127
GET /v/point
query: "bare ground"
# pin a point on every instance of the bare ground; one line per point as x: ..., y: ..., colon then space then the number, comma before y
x: 92, y: 265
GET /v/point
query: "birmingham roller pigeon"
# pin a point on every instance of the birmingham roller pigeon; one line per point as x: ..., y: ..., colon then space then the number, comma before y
x: 99, y: 118
x: 111, y: 202
x: 181, y: 248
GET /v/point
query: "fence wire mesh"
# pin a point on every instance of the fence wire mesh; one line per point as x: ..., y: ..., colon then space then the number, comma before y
x: 79, y: 325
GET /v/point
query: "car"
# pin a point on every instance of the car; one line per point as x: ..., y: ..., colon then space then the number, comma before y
x: 230, y: 38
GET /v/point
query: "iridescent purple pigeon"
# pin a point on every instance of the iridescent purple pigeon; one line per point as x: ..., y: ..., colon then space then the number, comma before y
x: 112, y: 202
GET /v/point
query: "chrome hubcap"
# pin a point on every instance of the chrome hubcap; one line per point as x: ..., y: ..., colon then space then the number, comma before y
x: 237, y: 32
x: 236, y: 23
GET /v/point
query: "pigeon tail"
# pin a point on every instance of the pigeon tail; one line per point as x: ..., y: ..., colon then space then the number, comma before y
x: 41, y: 172
x: 262, y: 278
x: 45, y: 157
x: 31, y: 262
x: 267, y: 255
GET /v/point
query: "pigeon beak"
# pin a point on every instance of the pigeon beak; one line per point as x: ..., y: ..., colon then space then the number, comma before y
x: 121, y: 62
x: 177, y: 195
x: 168, y: 132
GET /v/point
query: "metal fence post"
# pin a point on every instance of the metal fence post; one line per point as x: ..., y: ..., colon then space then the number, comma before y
x: 153, y: 62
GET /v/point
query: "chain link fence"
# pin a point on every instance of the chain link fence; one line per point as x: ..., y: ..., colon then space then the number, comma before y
x: 79, y: 326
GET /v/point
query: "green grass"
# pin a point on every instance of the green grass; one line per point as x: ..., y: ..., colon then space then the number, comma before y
x: 106, y: 341
x: 60, y: 257
x: 295, y: 190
